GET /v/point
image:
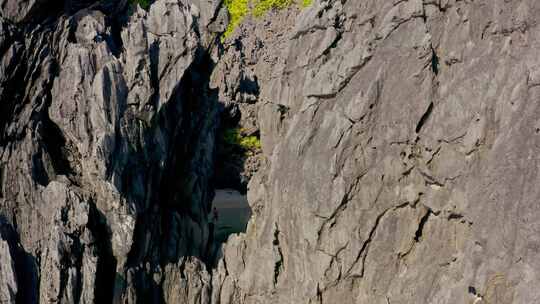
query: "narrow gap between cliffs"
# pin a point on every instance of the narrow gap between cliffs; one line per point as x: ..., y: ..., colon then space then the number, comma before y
x: 106, y: 264
x: 237, y: 157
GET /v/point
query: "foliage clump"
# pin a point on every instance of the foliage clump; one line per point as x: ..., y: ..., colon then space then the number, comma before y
x: 306, y: 3
x: 234, y: 137
x: 145, y: 4
x: 262, y: 6
x: 239, y: 9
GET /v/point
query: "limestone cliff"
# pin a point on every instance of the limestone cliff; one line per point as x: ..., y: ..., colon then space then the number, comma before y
x: 398, y: 165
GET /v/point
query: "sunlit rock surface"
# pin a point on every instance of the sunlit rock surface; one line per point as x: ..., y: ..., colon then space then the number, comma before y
x: 398, y: 165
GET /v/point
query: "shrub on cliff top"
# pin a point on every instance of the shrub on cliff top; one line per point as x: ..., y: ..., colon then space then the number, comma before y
x: 239, y: 9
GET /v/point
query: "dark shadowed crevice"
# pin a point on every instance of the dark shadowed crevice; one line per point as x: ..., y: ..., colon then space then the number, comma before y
x: 64, y: 274
x: 45, y: 12
x: 185, y: 115
x: 434, y: 62
x: 238, y: 149
x: 26, y: 267
x: 39, y: 173
x: 424, y: 118
x: 2, y: 172
x: 237, y: 158
x: 189, y: 172
x: 180, y: 193
x: 55, y: 145
x: 106, y: 264
x: 12, y: 92
x: 363, y: 252
x: 54, y: 142
x: 77, y: 263
x: 72, y: 6
x: 116, y: 43
x: 420, y: 230
x: 249, y: 86
x: 334, y: 43
x: 319, y: 294
x: 278, y: 266
x: 136, y: 254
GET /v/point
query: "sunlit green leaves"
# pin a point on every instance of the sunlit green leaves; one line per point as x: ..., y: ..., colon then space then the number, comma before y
x: 234, y: 137
x: 239, y: 9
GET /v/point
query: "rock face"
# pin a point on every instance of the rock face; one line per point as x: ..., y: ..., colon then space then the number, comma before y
x: 107, y: 143
x: 399, y: 141
x: 8, y: 290
x: 402, y: 141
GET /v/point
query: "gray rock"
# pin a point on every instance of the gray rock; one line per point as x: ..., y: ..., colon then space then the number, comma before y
x: 398, y: 162
x: 20, y: 10
x: 400, y: 170
x: 8, y: 279
x: 104, y: 173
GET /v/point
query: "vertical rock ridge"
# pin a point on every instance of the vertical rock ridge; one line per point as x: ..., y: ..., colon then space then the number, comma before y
x: 120, y: 165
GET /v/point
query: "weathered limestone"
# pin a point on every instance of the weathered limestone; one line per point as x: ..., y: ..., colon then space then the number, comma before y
x: 8, y: 279
x: 398, y: 164
x: 107, y: 141
x: 401, y: 138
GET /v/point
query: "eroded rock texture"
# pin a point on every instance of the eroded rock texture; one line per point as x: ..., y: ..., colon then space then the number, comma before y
x: 402, y: 141
x: 399, y: 161
x: 107, y: 138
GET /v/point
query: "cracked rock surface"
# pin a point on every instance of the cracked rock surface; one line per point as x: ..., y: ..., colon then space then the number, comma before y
x: 402, y: 141
x: 107, y: 136
x: 399, y: 152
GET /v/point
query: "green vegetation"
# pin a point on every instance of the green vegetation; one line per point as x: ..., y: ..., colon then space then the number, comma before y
x: 262, y: 6
x: 239, y: 9
x: 145, y: 4
x: 234, y: 137
x: 306, y: 3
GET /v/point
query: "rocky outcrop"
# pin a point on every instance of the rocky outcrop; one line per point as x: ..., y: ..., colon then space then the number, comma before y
x: 401, y: 139
x: 398, y: 161
x: 107, y: 144
x: 8, y: 281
